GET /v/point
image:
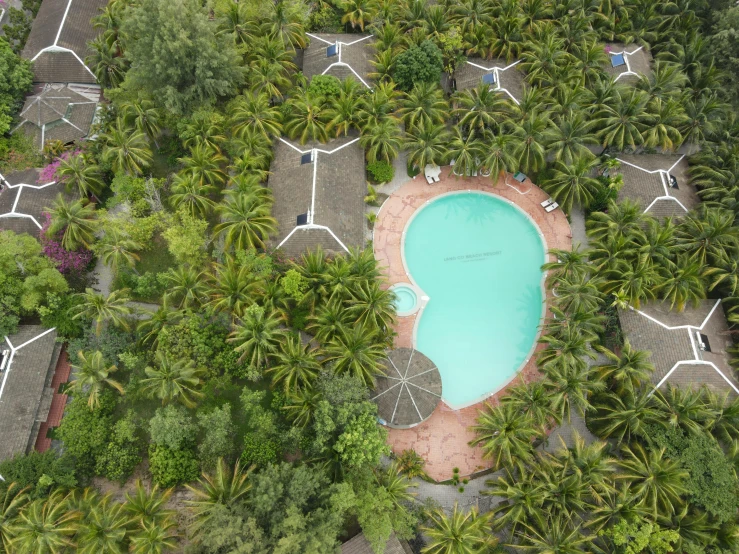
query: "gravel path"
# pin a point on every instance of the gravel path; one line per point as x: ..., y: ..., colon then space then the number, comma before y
x: 577, y: 224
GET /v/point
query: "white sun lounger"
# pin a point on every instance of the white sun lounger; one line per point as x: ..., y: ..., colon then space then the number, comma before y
x: 429, y: 179
x: 436, y: 178
x: 547, y: 202
x: 552, y: 207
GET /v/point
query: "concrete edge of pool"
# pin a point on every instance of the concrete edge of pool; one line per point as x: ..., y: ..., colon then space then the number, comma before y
x: 418, y: 314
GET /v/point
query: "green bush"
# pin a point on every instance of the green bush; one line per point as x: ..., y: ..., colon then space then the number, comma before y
x: 173, y: 428
x: 171, y: 467
x: 259, y: 450
x: 381, y: 171
x: 123, y: 453
x: 39, y: 471
x: 325, y: 19
x: 217, y: 430
x: 326, y: 86
x: 423, y: 63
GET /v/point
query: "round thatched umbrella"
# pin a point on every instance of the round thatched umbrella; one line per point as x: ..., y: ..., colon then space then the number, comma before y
x: 409, y: 391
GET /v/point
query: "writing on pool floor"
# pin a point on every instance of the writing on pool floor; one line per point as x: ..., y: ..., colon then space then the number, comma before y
x: 472, y: 257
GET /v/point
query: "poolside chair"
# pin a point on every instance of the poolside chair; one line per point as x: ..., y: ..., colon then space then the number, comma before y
x: 547, y: 202
x: 436, y: 178
x: 552, y: 207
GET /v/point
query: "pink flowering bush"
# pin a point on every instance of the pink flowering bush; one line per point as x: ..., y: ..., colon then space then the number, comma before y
x: 48, y: 173
x: 68, y: 263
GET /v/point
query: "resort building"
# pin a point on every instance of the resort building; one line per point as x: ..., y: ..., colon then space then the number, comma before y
x: 360, y: 545
x: 57, y: 113
x: 687, y: 348
x: 627, y: 63
x: 22, y: 201
x: 57, y: 44
x: 319, y: 194
x: 659, y: 183
x: 30, y: 366
x: 500, y: 75
x: 341, y: 56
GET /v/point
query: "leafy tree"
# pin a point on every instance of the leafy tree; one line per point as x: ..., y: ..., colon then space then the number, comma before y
x: 16, y: 80
x: 217, y: 431
x: 421, y: 63
x: 171, y: 467
x: 35, y: 474
x: 177, y: 57
x: 635, y: 537
x: 187, y: 239
x: 123, y: 453
x: 85, y: 433
x: 172, y: 427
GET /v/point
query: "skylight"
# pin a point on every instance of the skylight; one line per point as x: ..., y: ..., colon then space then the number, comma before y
x: 488, y: 78
x: 332, y: 50
x: 617, y: 60
x: 306, y: 158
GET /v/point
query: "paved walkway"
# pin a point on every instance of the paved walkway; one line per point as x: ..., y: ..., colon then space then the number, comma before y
x: 58, y: 401
x: 442, y: 440
x: 577, y: 223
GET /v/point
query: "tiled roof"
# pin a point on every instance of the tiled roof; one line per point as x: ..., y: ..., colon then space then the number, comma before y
x: 671, y: 339
x: 509, y: 79
x: 638, y: 62
x: 410, y: 391
x: 22, y: 204
x: 647, y: 179
x: 57, y: 113
x: 25, y: 387
x: 353, y: 56
x: 360, y: 545
x: 334, y: 184
x: 58, y: 40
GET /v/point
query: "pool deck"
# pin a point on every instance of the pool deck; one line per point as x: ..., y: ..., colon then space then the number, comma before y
x: 443, y: 439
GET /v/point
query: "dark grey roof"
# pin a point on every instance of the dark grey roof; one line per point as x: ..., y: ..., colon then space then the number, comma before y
x: 25, y: 387
x: 409, y: 391
x: 354, y: 54
x: 469, y: 75
x: 340, y: 187
x: 670, y: 337
x: 696, y: 376
x: 22, y: 204
x: 63, y: 28
x: 57, y: 113
x: 360, y: 545
x: 639, y: 61
x: 645, y: 177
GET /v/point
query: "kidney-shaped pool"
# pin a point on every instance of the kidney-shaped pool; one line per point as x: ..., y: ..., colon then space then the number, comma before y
x: 479, y: 260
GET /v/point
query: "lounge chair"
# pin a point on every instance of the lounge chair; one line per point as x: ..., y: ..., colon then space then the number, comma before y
x: 429, y: 179
x: 547, y: 202
x: 552, y: 207
x: 436, y: 178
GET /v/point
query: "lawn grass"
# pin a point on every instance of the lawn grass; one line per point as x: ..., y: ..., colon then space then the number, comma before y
x: 156, y: 259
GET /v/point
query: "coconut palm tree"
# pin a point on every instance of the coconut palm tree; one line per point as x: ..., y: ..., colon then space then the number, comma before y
x: 627, y: 370
x: 529, y: 139
x: 633, y: 283
x: 236, y: 19
x: 144, y: 116
x: 205, y: 165
x: 203, y: 129
x: 171, y: 380
x: 150, y: 327
x: 102, y: 527
x: 148, y: 506
x: 702, y: 117
x: 257, y: 337
x: 460, y: 532
x: 624, y: 416
x: 557, y: 534
x: 685, y: 408
x: 523, y: 496
x: 426, y: 144
x: 481, y: 108
x: 656, y: 481
x: 570, y: 138
x: 572, y: 184
x: 77, y: 174
x: 571, y: 386
x: 45, y: 525
x: 90, y: 377
x: 357, y: 351
x: 109, y: 68
x: 708, y: 235
x: 14, y: 499
x: 423, y: 105
x: 190, y: 196
x: 381, y: 140
x: 466, y: 151
x: 286, y: 21
x: 306, y: 119
x: 568, y: 264
x: 578, y: 293
x: 622, y: 122
x: 296, y: 365
x: 76, y: 219
x: 254, y: 112
x: 116, y: 249
x: 684, y: 284
x: 126, y: 149
x: 102, y: 309
x: 372, y: 306
x: 329, y: 320
x: 532, y: 400
x: 224, y: 487
x: 268, y: 77
x: 185, y: 286
x: 343, y: 114
x: 499, y: 157
x: 233, y: 288
x: 622, y: 219
x: 505, y: 436
x: 618, y: 505
x: 357, y: 13
x: 664, y: 120
x: 245, y: 221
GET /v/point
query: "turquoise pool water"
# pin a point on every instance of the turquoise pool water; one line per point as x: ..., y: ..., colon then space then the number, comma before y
x: 479, y: 260
x: 405, y: 298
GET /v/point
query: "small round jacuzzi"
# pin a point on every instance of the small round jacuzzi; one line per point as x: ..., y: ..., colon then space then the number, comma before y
x: 406, y: 299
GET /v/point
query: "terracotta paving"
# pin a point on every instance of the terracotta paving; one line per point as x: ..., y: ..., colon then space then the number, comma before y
x: 442, y: 440
x: 58, y: 402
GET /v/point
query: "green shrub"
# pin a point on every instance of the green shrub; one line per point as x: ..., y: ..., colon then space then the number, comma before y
x: 85, y: 432
x: 173, y: 428
x: 381, y: 171
x: 39, y: 471
x: 294, y: 284
x: 371, y: 197
x: 326, y: 86
x: 412, y: 170
x: 217, y: 430
x: 171, y: 467
x: 123, y: 452
x: 259, y: 450
x: 325, y: 19
x: 423, y: 63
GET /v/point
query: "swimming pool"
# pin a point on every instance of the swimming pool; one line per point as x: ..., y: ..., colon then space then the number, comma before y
x: 406, y: 299
x: 479, y: 260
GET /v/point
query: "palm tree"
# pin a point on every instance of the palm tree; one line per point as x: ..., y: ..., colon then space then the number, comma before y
x: 627, y: 370
x: 108, y: 67
x: 296, y: 365
x: 708, y: 235
x: 664, y: 120
x: 150, y: 327
x: 624, y: 416
x: 102, y: 527
x: 621, y: 219
x: 154, y: 538
x: 102, y: 309
x: 532, y: 400
x: 329, y: 320
x: 76, y: 173
x: 225, y: 487
x: 573, y: 184
x: 724, y: 275
x: 357, y: 351
x: 343, y: 114
x: 125, y: 149
x: 186, y: 286
x: 14, y: 499
x: 555, y: 534
x: 614, y: 507
x: 245, y: 221
x: 358, y: 13
x: 529, y: 140
x: 458, y: 533
x: 173, y: 380
x: 499, y: 158
x: 578, y: 293
x: 190, y: 196
x: 204, y: 164
x: 144, y: 116
x: 233, y: 288
x: 570, y: 138
x: 91, y: 376
x: 568, y: 264
x: 204, y: 130
x: 505, y: 435
x: 382, y: 140
x: 656, y: 481
x: 257, y: 336
x: 685, y: 408
x: 76, y: 219
x: 684, y: 284
x: 372, y: 306
x: 45, y: 525
x: 306, y: 119
x: 426, y: 144
x: 117, y: 249
x: 481, y: 108
x: 254, y: 112
x: 571, y: 386
x: 634, y: 283
x: 148, y: 506
x: 466, y: 151
x: 701, y: 117
x: 623, y: 122
x: 523, y: 496
x: 423, y: 105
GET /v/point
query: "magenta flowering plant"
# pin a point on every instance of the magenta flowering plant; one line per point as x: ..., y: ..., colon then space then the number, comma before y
x: 48, y: 173
x: 68, y: 262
